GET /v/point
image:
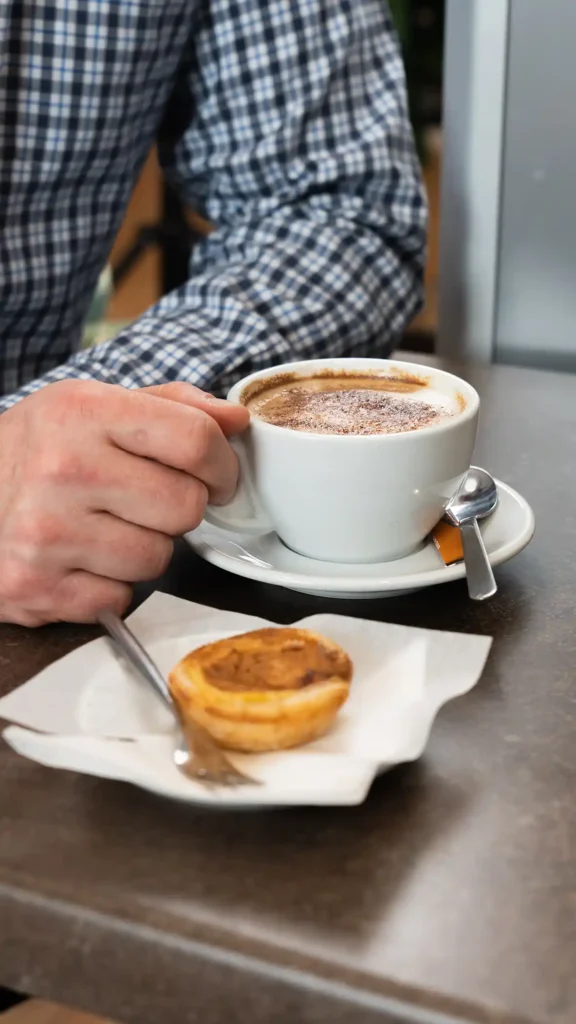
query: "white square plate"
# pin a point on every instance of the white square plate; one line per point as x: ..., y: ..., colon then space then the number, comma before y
x: 97, y: 717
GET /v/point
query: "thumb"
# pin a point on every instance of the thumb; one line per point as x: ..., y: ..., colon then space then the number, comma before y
x: 232, y: 419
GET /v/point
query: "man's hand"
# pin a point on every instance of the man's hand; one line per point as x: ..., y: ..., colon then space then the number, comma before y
x: 95, y: 481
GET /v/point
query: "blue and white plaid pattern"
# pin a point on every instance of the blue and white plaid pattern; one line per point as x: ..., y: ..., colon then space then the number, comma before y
x: 282, y: 121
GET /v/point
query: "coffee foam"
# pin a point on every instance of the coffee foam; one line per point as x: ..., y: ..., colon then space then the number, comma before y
x: 351, y: 404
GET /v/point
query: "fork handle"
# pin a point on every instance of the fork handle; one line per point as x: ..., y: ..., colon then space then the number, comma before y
x: 135, y: 653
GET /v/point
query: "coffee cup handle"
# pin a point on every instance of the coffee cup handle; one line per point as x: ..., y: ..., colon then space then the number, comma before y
x: 244, y: 513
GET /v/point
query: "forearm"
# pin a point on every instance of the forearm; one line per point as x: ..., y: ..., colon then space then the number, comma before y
x: 81, y: 95
x: 304, y: 158
x: 330, y: 288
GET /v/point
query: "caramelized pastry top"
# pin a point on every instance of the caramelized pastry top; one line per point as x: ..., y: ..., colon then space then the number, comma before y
x: 272, y: 659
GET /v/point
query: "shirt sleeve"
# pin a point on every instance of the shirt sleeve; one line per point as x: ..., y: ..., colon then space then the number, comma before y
x: 298, y: 147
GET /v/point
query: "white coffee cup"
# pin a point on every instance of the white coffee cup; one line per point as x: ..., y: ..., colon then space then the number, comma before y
x: 350, y: 498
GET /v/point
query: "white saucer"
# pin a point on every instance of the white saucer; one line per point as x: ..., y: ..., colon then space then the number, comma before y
x: 266, y: 558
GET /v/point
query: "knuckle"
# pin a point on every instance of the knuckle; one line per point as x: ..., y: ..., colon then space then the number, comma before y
x: 158, y: 556
x: 59, y: 465
x: 80, y: 597
x: 74, y: 398
x: 139, y: 553
x: 140, y: 439
x: 232, y: 480
x: 180, y: 391
x: 21, y: 616
x: 203, y: 436
x: 224, y: 487
x: 64, y: 390
x: 37, y: 531
x: 89, y: 599
x: 193, y: 506
x: 177, y: 391
x: 19, y: 582
x: 66, y: 465
x: 119, y: 597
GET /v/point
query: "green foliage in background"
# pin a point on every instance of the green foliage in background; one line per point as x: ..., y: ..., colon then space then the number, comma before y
x: 399, y: 10
x: 420, y: 26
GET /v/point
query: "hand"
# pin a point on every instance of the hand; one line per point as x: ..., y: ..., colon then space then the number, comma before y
x: 95, y: 481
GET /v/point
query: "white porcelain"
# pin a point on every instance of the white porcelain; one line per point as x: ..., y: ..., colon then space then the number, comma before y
x: 266, y: 559
x: 351, y: 498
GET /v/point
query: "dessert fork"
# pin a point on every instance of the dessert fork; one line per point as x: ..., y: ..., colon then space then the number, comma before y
x: 195, y: 753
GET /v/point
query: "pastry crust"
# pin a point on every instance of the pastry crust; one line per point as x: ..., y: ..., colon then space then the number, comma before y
x: 266, y: 690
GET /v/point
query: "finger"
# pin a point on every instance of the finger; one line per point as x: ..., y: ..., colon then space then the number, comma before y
x: 149, y: 495
x: 36, y: 597
x: 80, y: 596
x: 179, y: 436
x: 119, y: 550
x: 231, y: 418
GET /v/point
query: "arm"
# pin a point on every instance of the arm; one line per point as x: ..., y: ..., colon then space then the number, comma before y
x: 82, y: 92
x: 94, y: 480
x: 300, y: 150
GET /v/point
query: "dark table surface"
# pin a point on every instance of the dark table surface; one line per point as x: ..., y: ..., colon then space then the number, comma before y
x: 450, y: 894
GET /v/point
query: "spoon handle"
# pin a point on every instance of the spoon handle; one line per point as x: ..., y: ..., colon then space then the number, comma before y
x: 481, y: 582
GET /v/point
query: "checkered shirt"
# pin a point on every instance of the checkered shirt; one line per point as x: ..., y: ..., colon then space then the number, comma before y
x: 282, y: 121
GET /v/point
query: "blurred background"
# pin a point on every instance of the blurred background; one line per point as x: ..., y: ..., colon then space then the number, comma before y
x: 150, y: 253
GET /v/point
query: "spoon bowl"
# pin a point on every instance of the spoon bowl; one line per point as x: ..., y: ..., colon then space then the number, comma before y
x: 475, y: 499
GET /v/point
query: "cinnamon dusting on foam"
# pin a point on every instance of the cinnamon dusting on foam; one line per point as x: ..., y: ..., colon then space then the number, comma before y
x: 339, y: 403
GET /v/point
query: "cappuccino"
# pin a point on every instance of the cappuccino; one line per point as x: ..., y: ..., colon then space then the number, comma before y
x: 349, y: 403
x: 363, y: 482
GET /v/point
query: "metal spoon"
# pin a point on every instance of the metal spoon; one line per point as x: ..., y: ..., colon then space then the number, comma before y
x: 196, y: 754
x: 475, y: 499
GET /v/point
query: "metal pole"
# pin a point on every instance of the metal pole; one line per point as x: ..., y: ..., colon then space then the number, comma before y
x: 475, y: 75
